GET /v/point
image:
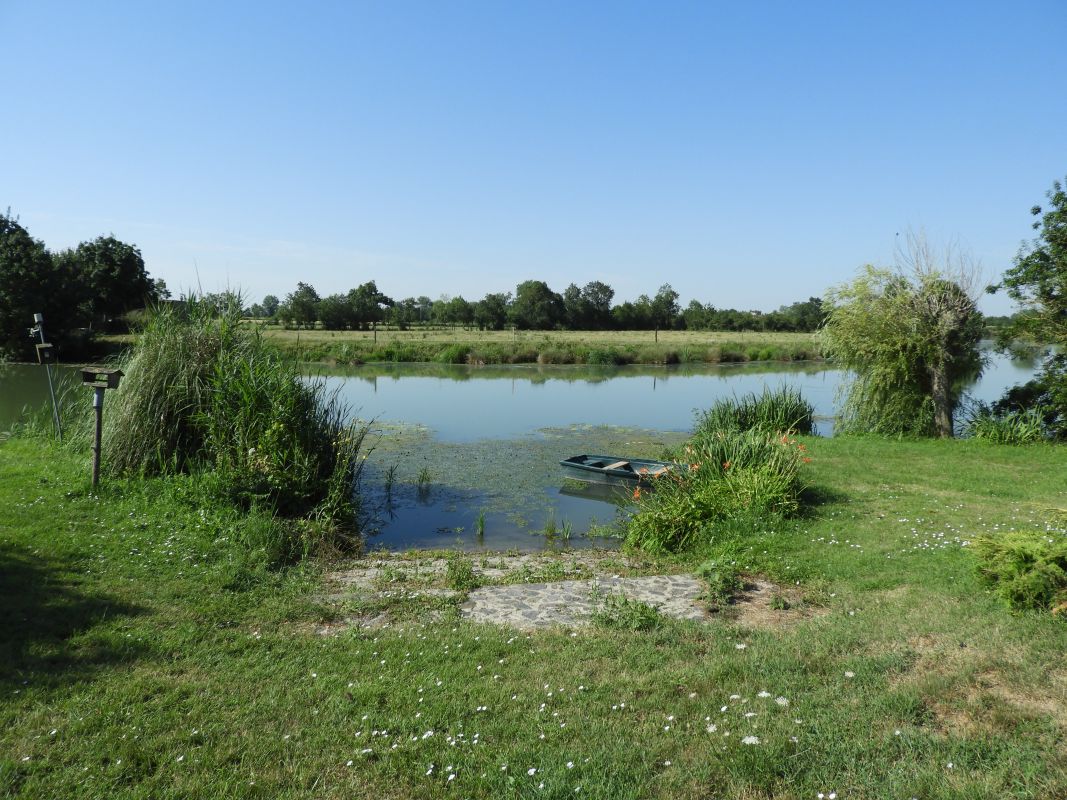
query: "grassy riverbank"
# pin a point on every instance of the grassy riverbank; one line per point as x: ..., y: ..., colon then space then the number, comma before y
x: 148, y: 654
x: 459, y: 346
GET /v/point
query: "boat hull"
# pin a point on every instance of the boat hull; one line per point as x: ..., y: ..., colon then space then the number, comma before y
x: 613, y: 469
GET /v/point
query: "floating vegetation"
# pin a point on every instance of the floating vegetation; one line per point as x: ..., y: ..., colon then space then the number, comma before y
x: 495, y: 489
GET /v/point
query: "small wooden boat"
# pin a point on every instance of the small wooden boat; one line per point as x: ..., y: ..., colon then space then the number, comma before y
x: 613, y: 468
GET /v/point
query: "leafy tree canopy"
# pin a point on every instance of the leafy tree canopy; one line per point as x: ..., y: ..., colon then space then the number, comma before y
x: 911, y: 338
x: 112, y: 275
x: 1038, y: 282
x: 1038, y: 279
x: 537, y: 307
x: 29, y: 282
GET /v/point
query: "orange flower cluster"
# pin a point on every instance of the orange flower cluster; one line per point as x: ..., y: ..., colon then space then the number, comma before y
x: 786, y: 441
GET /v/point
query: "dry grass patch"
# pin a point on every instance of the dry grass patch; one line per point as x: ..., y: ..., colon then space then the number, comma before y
x: 764, y: 604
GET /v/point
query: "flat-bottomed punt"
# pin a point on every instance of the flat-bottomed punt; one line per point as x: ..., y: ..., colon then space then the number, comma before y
x: 613, y: 468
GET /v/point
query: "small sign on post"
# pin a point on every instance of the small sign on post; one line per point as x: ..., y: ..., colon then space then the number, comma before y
x: 100, y: 380
x: 46, y: 355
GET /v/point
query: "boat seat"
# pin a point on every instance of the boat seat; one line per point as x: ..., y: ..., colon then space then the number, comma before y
x: 617, y: 465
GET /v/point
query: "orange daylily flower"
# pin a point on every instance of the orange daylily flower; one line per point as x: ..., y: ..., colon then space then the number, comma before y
x: 637, y: 493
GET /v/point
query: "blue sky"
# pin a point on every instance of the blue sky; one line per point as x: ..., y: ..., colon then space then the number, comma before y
x: 751, y: 154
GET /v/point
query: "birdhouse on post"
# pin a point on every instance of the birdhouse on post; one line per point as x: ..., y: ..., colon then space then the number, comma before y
x: 100, y: 380
x: 46, y: 354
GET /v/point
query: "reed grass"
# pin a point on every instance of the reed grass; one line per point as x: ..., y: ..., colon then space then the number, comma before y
x: 778, y: 411
x: 202, y: 391
x: 1012, y: 427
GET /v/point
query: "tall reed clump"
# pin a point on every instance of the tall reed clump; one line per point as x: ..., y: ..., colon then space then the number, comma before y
x: 783, y: 410
x: 202, y: 390
x: 1010, y: 427
x: 740, y: 470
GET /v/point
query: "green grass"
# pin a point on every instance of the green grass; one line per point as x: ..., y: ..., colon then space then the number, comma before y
x: 146, y: 655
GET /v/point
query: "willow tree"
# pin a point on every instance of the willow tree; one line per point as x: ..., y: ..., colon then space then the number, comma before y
x: 909, y: 336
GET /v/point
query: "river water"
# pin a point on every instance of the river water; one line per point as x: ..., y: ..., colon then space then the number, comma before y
x: 470, y: 454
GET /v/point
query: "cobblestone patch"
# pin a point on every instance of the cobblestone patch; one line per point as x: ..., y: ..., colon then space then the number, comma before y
x: 572, y: 603
x: 536, y: 590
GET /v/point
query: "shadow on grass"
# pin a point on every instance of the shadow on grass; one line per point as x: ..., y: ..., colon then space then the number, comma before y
x: 813, y: 497
x: 41, y: 610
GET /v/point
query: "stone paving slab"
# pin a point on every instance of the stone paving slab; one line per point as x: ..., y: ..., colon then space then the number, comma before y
x: 571, y: 603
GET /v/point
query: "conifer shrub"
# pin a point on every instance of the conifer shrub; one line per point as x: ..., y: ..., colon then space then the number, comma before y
x: 1027, y: 569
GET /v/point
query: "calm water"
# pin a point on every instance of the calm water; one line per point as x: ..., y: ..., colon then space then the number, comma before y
x: 462, y: 404
x: 487, y: 440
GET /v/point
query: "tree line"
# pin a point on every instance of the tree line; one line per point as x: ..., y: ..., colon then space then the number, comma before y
x: 533, y: 306
x: 78, y: 290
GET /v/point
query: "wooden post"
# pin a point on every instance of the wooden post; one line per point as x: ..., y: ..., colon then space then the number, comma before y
x: 98, y: 410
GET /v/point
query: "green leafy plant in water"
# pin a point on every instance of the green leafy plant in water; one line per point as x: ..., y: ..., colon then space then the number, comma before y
x: 550, y: 529
x: 479, y: 524
x: 424, y: 478
x: 390, y: 477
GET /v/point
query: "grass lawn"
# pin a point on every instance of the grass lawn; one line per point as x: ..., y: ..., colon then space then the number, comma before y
x: 145, y: 654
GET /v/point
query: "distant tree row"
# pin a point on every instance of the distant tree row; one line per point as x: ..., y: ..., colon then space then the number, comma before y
x: 86, y: 287
x: 533, y: 306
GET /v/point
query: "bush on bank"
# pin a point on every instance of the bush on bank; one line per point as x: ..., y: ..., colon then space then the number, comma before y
x: 202, y: 391
x: 741, y: 468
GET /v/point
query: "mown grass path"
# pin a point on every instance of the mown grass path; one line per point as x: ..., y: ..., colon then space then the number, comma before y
x: 146, y: 655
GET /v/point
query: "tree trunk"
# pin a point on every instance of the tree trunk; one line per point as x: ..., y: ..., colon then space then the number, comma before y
x: 939, y: 393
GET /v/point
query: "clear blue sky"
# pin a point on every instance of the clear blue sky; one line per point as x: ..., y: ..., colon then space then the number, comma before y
x: 751, y: 154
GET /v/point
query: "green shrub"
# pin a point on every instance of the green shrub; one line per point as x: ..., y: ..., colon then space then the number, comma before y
x: 621, y: 613
x: 459, y: 573
x: 556, y: 355
x: 202, y: 390
x: 454, y: 354
x: 723, y: 581
x: 733, y: 475
x: 744, y: 464
x: 606, y: 355
x: 1028, y: 570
